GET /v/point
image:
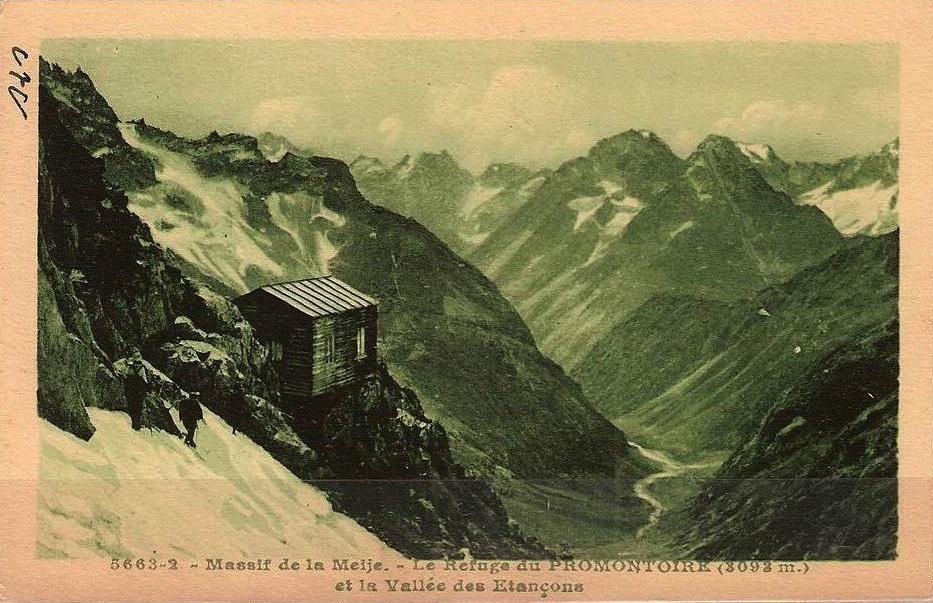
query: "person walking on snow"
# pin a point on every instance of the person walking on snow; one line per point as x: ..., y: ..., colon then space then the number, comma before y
x: 135, y: 387
x: 190, y: 412
x: 239, y: 408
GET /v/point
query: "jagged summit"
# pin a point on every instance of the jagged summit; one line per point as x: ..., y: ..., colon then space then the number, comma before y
x: 719, y: 144
x: 505, y: 174
x: 367, y: 164
x: 631, y: 141
x: 638, y: 160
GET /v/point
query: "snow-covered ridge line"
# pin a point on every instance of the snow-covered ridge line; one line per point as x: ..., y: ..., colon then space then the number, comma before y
x: 204, y: 220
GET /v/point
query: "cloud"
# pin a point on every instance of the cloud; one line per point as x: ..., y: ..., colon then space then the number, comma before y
x: 767, y: 120
x: 390, y: 128
x: 878, y: 102
x: 294, y: 116
x: 683, y: 142
x: 524, y: 113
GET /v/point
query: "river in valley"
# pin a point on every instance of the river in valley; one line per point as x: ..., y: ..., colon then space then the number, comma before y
x: 612, y: 519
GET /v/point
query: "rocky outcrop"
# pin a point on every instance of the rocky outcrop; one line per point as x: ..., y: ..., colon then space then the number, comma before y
x: 819, y: 479
x: 79, y: 102
x: 70, y: 375
x: 390, y: 467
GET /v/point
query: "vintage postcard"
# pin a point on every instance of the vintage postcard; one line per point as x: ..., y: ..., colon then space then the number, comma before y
x: 429, y: 301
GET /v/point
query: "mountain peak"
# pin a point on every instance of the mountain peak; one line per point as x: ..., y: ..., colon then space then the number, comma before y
x: 892, y: 148
x: 431, y: 164
x: 716, y: 141
x: 629, y: 140
x: 275, y: 146
x: 639, y: 159
x: 754, y: 152
x: 644, y: 134
x: 367, y: 164
x: 404, y: 166
x: 719, y: 148
x: 442, y: 156
x: 504, y: 174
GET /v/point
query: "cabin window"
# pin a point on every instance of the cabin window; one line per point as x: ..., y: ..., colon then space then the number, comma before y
x: 275, y: 350
x: 361, y: 343
x: 330, y: 348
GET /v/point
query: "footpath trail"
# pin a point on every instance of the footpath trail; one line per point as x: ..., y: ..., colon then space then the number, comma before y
x: 670, y: 468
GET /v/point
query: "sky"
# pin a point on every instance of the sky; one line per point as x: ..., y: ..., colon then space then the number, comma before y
x: 535, y: 103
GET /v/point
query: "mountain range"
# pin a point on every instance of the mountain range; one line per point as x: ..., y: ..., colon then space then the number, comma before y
x: 703, y: 304
x: 461, y: 209
x: 577, y: 248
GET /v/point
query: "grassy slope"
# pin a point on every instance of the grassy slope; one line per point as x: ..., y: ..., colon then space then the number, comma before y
x: 689, y: 375
x: 818, y: 479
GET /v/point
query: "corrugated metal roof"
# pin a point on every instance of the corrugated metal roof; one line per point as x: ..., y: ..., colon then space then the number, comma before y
x: 321, y: 296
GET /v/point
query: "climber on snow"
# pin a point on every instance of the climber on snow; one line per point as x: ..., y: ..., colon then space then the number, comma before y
x: 238, y: 409
x: 189, y: 410
x: 135, y: 387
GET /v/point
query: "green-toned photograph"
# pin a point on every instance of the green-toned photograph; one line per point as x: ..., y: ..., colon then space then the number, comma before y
x: 467, y: 299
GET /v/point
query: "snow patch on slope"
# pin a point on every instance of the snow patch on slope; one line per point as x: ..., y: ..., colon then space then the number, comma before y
x: 585, y: 207
x: 476, y: 198
x: 609, y: 187
x: 869, y: 210
x: 758, y: 153
x: 531, y: 186
x: 129, y: 493
x: 279, y: 204
x: 291, y: 211
x: 474, y: 240
x: 685, y: 226
x: 626, y: 210
x: 209, y: 229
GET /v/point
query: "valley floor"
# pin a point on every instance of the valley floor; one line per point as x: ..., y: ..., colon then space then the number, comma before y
x: 602, y: 520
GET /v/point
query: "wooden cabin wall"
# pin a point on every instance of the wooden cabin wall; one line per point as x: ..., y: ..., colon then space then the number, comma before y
x: 345, y: 367
x: 297, y: 361
x: 274, y: 321
x: 303, y: 370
